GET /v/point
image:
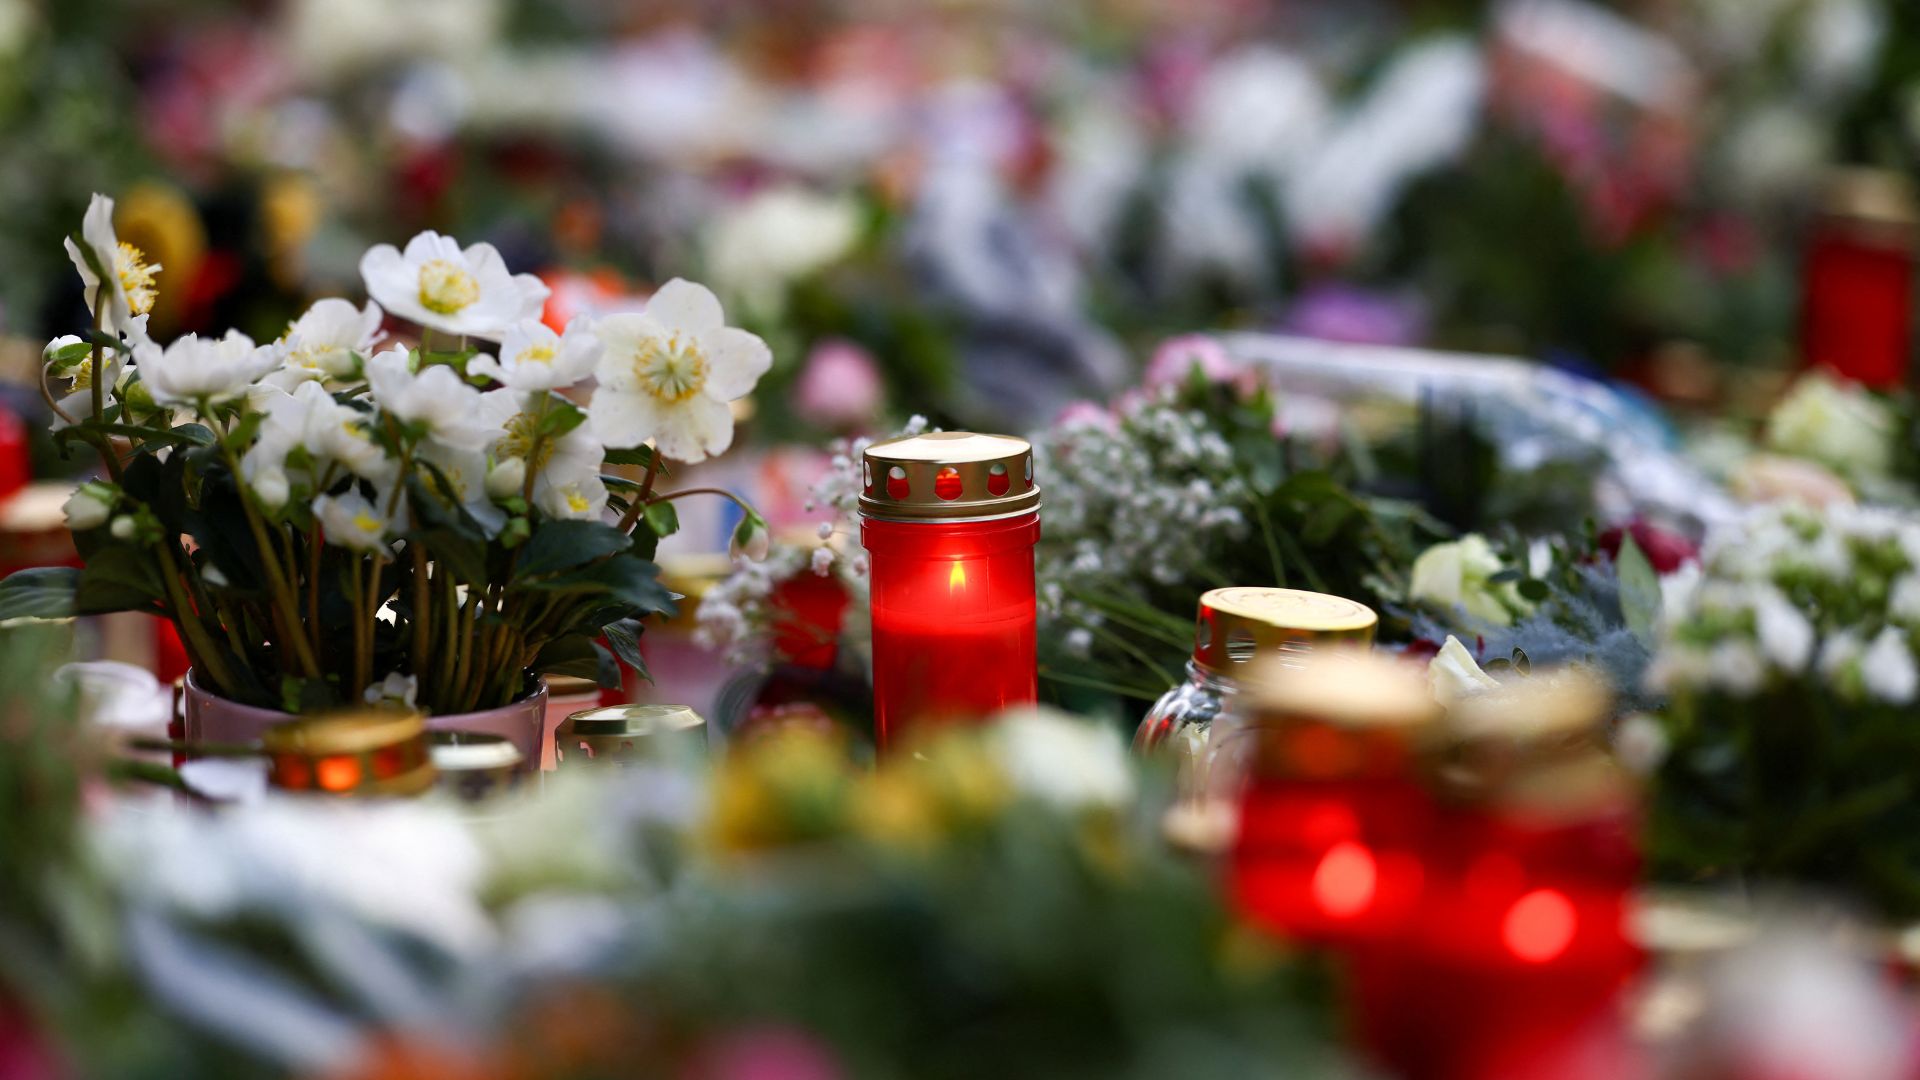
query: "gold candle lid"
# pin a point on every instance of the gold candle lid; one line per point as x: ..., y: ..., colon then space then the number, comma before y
x: 1878, y: 205
x: 620, y: 731
x: 948, y: 476
x: 368, y: 752
x: 1345, y: 687
x: 1535, y: 743
x: 1239, y: 625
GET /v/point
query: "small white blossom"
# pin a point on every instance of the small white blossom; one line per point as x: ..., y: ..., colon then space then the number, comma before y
x: 444, y: 287
x: 1786, y: 637
x: 352, y: 522
x: 435, y: 398
x: 90, y: 505
x: 196, y: 371
x: 395, y: 690
x: 1887, y: 668
x: 507, y: 477
x: 822, y: 560
x: 129, y: 288
x: 533, y: 357
x: 122, y: 527
x: 667, y: 375
x: 322, y: 344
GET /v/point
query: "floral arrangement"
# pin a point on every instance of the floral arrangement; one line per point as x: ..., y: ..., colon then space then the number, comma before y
x: 1790, y: 661
x: 331, y: 516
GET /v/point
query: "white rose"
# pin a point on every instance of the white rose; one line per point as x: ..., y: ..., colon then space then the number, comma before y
x: 1456, y: 575
x: 1454, y: 676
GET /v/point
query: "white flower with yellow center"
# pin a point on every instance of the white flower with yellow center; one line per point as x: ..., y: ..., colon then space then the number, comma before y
x: 321, y: 344
x: 668, y: 374
x: 193, y: 370
x: 533, y: 357
x: 352, y: 522
x: 465, y: 473
x: 439, y: 285
x: 436, y: 398
x: 566, y: 470
x: 129, y: 289
x: 330, y: 433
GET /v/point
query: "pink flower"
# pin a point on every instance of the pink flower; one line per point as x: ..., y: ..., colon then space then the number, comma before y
x: 765, y: 1054
x: 1085, y: 414
x: 1173, y: 362
x: 839, y: 387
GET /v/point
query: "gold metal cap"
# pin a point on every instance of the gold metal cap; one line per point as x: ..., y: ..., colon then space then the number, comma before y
x: 1535, y: 743
x: 948, y: 476
x: 1344, y: 687
x: 629, y: 732
x: 368, y: 752
x: 1239, y: 625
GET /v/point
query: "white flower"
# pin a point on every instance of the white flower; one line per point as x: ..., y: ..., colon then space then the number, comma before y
x: 329, y: 432
x: 1786, y: 637
x: 667, y: 374
x: 320, y: 345
x: 465, y: 471
x: 533, y: 357
x: 1835, y: 423
x: 271, y: 486
x: 198, y: 371
x: 1888, y: 670
x: 436, y: 284
x: 507, y: 478
x: 129, y: 291
x: 1838, y: 655
x: 566, y: 481
x: 394, y: 690
x: 352, y: 522
x: 822, y: 560
x: 1453, y: 675
x: 1456, y: 574
x: 1064, y: 761
x: 123, y: 527
x: 78, y: 401
x: 1735, y: 667
x: 90, y: 505
x: 435, y: 398
x: 777, y: 236
x: 1904, y: 602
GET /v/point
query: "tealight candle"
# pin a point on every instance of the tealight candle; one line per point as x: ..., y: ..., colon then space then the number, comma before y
x: 949, y: 520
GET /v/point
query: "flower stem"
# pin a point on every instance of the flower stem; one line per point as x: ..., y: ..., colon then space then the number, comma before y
x: 644, y: 496
x: 422, y: 633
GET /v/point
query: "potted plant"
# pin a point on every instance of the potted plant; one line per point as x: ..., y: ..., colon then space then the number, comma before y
x: 336, y: 517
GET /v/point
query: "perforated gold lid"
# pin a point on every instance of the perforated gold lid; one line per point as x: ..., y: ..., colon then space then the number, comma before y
x: 1239, y: 625
x: 948, y: 476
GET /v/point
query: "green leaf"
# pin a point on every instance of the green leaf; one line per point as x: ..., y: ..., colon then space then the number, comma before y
x: 624, y: 636
x: 118, y: 579
x: 1534, y: 589
x: 642, y: 456
x: 628, y: 579
x: 561, y: 545
x: 561, y: 417
x: 1639, y: 591
x: 184, y: 435
x: 663, y: 519
x: 579, y: 656
x: 44, y: 592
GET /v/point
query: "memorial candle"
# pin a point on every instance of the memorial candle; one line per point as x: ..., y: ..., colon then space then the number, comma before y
x: 949, y: 520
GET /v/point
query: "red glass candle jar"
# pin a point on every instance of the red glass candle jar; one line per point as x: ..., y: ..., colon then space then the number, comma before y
x: 1856, y: 311
x: 949, y: 520
x: 1515, y: 962
x: 1334, y: 817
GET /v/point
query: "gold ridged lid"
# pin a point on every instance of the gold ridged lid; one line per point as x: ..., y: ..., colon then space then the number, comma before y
x: 343, y: 733
x: 1237, y: 626
x: 948, y: 476
x: 630, y: 731
x: 1346, y: 687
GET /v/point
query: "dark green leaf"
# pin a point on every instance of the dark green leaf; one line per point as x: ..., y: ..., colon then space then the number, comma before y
x: 579, y: 656
x: 44, y: 592
x: 663, y: 519
x: 118, y: 579
x: 639, y: 455
x: 625, y: 578
x: 561, y: 545
x: 149, y: 437
x: 624, y: 637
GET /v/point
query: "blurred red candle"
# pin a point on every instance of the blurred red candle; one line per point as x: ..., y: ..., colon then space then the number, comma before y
x: 1334, y: 817
x: 1856, y: 314
x: 949, y: 520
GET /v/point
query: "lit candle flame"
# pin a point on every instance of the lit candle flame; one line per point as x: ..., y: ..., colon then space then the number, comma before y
x: 957, y: 580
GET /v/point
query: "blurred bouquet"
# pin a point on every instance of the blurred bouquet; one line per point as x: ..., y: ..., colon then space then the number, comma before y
x: 1790, y: 659
x: 325, y: 519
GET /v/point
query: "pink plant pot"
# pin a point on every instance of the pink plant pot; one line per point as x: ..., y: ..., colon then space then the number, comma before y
x: 212, y: 718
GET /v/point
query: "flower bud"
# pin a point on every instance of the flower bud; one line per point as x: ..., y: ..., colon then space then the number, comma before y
x: 751, y: 538
x: 270, y: 487
x: 90, y: 505
x: 507, y: 478
x: 122, y: 528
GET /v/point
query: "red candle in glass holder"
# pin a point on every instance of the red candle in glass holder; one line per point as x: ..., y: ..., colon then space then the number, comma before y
x: 1856, y: 308
x: 949, y: 520
x: 1516, y: 959
x: 1333, y: 818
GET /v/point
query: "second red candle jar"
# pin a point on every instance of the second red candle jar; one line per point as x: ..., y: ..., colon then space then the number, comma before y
x: 949, y: 520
